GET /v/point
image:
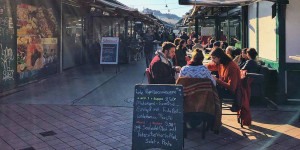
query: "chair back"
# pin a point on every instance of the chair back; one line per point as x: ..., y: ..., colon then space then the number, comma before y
x: 149, y: 76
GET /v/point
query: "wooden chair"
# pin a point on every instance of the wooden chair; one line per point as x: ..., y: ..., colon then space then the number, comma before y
x: 196, y: 108
x: 148, y: 73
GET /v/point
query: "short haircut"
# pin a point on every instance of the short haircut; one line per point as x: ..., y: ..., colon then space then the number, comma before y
x: 230, y: 49
x: 167, y: 46
x: 252, y: 53
x: 218, y: 52
x: 176, y: 41
x: 212, y: 41
x: 218, y: 43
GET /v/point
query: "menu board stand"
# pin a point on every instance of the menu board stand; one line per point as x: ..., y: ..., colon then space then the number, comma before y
x: 109, y: 52
x: 158, y: 117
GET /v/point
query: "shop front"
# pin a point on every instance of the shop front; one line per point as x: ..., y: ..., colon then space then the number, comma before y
x: 30, y: 39
x: 270, y: 27
x: 72, y: 31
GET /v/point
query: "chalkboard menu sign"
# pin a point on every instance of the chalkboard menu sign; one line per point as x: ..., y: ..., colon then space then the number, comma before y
x: 109, y: 50
x: 158, y: 117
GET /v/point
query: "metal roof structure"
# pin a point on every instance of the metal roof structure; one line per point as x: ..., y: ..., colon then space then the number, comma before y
x: 224, y: 3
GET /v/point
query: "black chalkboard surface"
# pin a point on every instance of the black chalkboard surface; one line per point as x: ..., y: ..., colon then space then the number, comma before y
x: 158, y: 117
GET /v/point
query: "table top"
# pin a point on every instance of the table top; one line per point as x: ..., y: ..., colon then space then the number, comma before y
x: 297, y: 57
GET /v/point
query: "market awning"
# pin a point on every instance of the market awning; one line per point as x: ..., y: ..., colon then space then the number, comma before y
x: 224, y: 3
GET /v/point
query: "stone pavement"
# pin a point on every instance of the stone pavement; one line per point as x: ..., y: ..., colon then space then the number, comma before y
x: 98, y: 127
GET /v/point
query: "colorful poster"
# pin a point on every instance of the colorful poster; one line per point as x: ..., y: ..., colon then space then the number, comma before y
x: 37, y: 37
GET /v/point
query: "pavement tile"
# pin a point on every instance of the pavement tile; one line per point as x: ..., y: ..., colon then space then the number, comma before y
x: 88, y: 140
x: 191, y: 144
x: 54, y: 142
x: 47, y: 148
x: 116, y: 144
x: 290, y: 143
x: 60, y: 146
x: 120, y: 137
x: 104, y: 147
x: 47, y: 138
x: 62, y: 135
x: 296, y: 147
x: 208, y: 146
x: 74, y: 143
x: 81, y: 136
x: 277, y: 147
x: 19, y: 145
x: 33, y: 140
x: 101, y: 137
x: 82, y: 147
x: 39, y: 145
x: 124, y: 148
x: 68, y: 139
x: 5, y: 146
x: 231, y: 146
x: 95, y: 144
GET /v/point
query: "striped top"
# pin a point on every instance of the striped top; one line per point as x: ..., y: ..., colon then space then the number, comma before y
x: 199, y: 71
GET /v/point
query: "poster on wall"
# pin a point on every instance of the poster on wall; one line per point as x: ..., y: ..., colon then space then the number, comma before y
x: 109, y: 50
x: 37, y: 34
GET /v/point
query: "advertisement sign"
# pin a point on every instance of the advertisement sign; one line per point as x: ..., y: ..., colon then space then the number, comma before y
x: 109, y: 50
x: 37, y: 33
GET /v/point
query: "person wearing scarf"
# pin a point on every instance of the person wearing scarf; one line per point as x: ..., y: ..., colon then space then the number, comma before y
x: 161, y: 69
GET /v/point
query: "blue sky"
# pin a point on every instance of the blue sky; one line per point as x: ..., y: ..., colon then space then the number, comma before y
x: 160, y: 5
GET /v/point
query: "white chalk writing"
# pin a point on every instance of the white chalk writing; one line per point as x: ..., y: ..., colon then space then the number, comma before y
x: 7, y: 57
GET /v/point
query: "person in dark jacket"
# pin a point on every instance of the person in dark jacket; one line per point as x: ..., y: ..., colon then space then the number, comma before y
x: 189, y: 44
x: 180, y: 54
x: 251, y: 65
x: 149, y: 46
x: 184, y: 36
x: 161, y: 70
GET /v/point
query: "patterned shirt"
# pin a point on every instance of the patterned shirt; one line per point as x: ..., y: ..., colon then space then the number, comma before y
x: 199, y: 71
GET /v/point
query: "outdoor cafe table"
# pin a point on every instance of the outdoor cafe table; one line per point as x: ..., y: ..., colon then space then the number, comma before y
x: 297, y: 57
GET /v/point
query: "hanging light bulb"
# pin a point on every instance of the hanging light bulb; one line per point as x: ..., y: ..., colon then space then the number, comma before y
x: 166, y: 5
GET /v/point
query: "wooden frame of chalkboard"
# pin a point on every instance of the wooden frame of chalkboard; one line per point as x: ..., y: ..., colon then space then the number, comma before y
x: 109, y: 50
x: 157, y: 117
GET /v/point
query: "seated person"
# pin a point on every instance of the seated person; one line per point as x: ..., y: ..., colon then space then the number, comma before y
x: 229, y: 51
x: 229, y: 73
x: 251, y: 65
x: 216, y: 44
x: 189, y: 44
x: 161, y: 68
x: 236, y: 52
x: 180, y: 54
x: 197, y: 44
x: 241, y: 59
x: 195, y: 68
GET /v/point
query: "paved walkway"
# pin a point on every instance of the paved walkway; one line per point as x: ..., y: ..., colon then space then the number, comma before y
x: 99, y: 127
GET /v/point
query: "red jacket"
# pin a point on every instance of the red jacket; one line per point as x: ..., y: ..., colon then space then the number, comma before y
x: 244, y: 112
x: 229, y: 75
